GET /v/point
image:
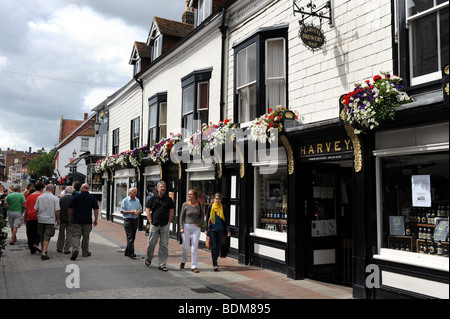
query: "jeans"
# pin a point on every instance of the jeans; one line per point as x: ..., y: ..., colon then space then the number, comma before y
x: 215, y: 236
x: 191, y: 235
x: 161, y: 232
x: 32, y: 235
x: 130, y: 225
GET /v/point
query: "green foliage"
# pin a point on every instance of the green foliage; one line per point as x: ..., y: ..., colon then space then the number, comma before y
x: 42, y: 164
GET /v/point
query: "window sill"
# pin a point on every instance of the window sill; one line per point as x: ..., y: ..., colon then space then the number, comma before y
x: 413, y: 259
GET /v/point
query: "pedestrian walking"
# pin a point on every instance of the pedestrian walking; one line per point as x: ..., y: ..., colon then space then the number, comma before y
x: 47, y: 210
x: 131, y: 208
x: 159, y: 210
x: 217, y: 225
x: 2, y: 201
x: 15, y: 203
x: 80, y: 215
x: 191, y: 219
x: 30, y: 218
x: 64, y: 241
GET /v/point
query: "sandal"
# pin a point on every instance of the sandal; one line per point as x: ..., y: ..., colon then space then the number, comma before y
x: 148, y: 262
x: 163, y: 268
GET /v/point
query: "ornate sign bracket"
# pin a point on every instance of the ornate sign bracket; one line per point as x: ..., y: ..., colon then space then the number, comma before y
x: 323, y: 12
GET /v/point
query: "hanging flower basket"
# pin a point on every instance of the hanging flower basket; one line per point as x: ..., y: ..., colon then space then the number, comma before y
x: 124, y: 159
x: 262, y: 129
x: 210, y: 136
x: 369, y: 105
x: 160, y: 152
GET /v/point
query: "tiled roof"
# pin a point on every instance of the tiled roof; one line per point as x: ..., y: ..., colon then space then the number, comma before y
x: 67, y: 127
x: 173, y: 28
x: 144, y: 50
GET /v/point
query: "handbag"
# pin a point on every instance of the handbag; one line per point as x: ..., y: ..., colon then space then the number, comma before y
x: 207, y: 242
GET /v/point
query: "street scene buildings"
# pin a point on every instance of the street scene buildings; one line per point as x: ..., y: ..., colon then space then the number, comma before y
x: 324, y: 124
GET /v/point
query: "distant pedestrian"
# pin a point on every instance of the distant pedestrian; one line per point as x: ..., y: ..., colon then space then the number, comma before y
x: 65, y: 228
x: 80, y: 215
x: 217, y: 225
x: 131, y: 208
x: 30, y: 218
x: 33, y: 177
x: 159, y: 210
x: 47, y: 210
x: 15, y: 203
x: 191, y: 219
x: 76, y: 187
x: 2, y: 201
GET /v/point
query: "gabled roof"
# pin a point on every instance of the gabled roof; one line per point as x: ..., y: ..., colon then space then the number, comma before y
x: 172, y: 28
x: 83, y: 129
x: 140, y: 50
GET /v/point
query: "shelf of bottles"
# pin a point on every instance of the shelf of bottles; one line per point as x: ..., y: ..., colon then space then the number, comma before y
x: 276, y: 217
x: 420, y: 230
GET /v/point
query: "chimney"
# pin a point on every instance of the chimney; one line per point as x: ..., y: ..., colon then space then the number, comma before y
x: 85, y: 116
x: 188, y: 15
x: 30, y: 150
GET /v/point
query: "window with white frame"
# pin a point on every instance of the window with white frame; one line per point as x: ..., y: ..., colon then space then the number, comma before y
x: 135, y: 133
x: 157, y: 118
x: 428, y: 32
x: 260, y: 69
x: 85, y: 144
x: 195, y: 100
x: 115, y: 141
x: 204, y: 10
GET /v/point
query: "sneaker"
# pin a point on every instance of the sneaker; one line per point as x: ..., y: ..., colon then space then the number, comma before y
x: 45, y: 257
x: 195, y: 270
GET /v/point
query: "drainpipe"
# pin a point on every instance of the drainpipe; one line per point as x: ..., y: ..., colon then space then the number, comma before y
x: 223, y: 30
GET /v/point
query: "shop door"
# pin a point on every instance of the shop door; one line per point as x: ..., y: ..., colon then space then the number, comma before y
x: 329, y: 220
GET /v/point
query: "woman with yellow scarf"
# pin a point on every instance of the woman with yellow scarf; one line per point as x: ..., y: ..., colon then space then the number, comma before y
x: 217, y: 225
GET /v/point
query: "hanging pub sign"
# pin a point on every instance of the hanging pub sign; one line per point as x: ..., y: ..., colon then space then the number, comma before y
x: 312, y: 36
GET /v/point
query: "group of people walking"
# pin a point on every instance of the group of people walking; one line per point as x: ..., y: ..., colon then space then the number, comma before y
x: 42, y: 212
x: 160, y: 211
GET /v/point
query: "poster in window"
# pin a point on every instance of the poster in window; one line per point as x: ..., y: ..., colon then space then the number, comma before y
x: 397, y: 225
x: 421, y: 190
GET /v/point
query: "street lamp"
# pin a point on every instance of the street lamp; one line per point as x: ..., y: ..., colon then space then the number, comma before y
x: 97, y: 126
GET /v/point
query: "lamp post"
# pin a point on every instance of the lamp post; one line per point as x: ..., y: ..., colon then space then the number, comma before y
x: 97, y: 126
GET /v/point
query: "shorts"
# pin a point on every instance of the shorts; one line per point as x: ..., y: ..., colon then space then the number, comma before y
x: 46, y: 231
x: 14, y: 219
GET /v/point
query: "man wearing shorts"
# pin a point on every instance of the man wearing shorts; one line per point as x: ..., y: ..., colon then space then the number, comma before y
x: 47, y: 210
x: 15, y: 203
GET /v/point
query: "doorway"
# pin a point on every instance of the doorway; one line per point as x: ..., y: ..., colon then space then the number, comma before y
x: 329, y: 222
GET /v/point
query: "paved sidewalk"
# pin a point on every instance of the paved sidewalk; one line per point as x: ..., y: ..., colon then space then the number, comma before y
x: 232, y: 278
x: 109, y: 274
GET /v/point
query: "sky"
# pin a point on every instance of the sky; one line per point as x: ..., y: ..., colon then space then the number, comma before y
x: 63, y: 58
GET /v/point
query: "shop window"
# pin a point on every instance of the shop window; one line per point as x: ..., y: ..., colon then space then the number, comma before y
x: 205, y: 185
x: 271, y: 200
x: 415, y: 203
x: 424, y: 32
x: 260, y: 68
x: 122, y: 185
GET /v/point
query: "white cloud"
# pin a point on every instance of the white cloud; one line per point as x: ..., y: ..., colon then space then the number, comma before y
x: 54, y: 53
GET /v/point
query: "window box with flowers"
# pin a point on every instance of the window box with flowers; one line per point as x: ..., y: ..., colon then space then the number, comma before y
x: 368, y: 105
x: 210, y: 136
x: 262, y: 129
x: 160, y: 152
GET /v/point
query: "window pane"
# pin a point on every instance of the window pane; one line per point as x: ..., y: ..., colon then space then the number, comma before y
x: 153, y: 116
x: 275, y: 93
x: 444, y: 29
x: 152, y: 137
x: 162, y: 131
x: 425, y: 47
x: 189, y: 123
x: 275, y: 58
x: 162, y: 114
x: 202, y: 96
x: 242, y: 68
x: 251, y: 63
x: 418, y: 6
x: 247, y: 107
x: 188, y: 99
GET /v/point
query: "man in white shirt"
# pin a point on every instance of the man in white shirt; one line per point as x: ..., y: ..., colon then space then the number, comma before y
x: 47, y: 210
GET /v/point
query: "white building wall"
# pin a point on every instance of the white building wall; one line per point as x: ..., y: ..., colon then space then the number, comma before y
x: 359, y: 46
x: 123, y: 109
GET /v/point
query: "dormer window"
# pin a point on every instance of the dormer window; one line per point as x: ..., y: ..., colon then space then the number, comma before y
x: 204, y: 10
x: 155, y: 41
